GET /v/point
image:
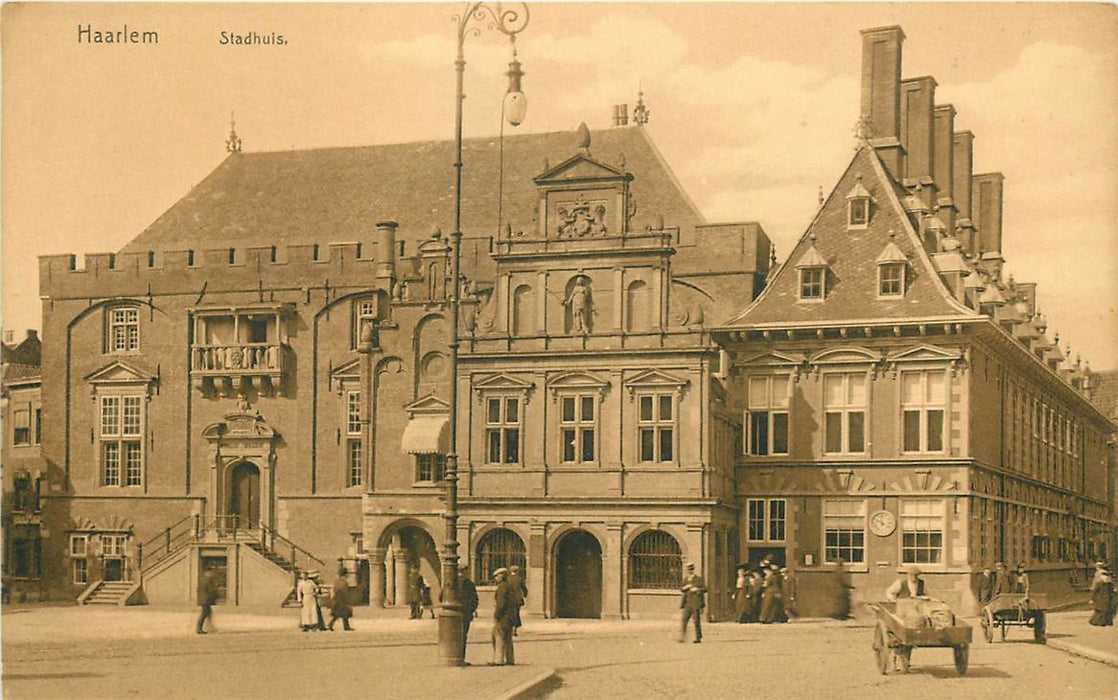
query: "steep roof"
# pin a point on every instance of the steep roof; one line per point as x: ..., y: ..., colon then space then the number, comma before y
x: 18, y: 372
x: 1104, y: 392
x: 337, y: 194
x: 850, y: 255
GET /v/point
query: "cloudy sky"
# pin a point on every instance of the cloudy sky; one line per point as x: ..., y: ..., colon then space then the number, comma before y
x: 752, y: 105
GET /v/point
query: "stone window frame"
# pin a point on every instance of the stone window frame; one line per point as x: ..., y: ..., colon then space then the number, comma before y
x: 862, y: 565
x: 580, y: 426
x: 76, y: 557
x: 114, y: 433
x: 502, y: 426
x: 901, y: 281
x: 113, y: 320
x: 845, y: 409
x: 770, y: 407
x: 914, y: 518
x: 766, y: 520
x: 502, y: 386
x: 667, y: 565
x: 923, y: 407
x: 804, y: 283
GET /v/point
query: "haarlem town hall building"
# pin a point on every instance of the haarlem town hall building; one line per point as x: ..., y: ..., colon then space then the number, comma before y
x: 258, y: 382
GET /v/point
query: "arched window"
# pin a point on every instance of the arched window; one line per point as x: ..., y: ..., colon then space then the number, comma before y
x: 523, y: 311
x: 655, y: 561
x: 638, y: 308
x: 499, y: 548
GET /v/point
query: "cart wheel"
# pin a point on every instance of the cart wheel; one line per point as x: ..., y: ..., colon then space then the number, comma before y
x: 962, y: 655
x: 988, y: 626
x: 1040, y: 632
x: 881, y: 650
x: 904, y: 658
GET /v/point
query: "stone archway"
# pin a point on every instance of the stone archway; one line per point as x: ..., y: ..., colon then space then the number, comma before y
x: 409, y: 550
x: 578, y: 576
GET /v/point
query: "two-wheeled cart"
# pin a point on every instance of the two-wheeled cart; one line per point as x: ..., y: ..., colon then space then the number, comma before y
x: 893, y: 641
x: 1015, y: 610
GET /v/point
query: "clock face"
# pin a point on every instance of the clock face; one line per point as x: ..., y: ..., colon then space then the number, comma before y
x: 882, y: 523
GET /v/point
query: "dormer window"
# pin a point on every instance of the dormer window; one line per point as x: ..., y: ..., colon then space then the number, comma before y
x: 892, y: 267
x: 813, y: 274
x: 858, y: 202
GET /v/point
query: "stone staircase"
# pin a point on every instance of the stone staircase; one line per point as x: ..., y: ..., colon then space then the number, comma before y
x: 109, y: 593
x: 271, y: 556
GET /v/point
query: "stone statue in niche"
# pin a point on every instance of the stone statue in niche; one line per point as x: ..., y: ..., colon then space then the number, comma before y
x: 582, y: 218
x: 581, y: 306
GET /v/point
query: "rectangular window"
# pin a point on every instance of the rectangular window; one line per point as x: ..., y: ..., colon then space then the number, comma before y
x: 811, y: 282
x: 121, y: 440
x: 38, y: 438
x: 844, y: 405
x: 353, y: 413
x: 81, y: 570
x: 859, y: 211
x: 890, y: 280
x: 922, y: 523
x: 502, y: 430
x: 110, y: 415
x: 766, y: 519
x: 21, y: 426
x: 364, y: 312
x: 133, y: 464
x: 578, y: 427
x: 78, y: 545
x: 656, y: 427
x: 768, y: 415
x: 923, y: 407
x: 353, y: 462
x: 844, y: 530
x: 124, y: 330
x: 430, y: 467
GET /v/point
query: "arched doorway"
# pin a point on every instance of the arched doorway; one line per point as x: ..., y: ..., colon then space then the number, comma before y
x: 412, y: 552
x: 244, y: 495
x: 578, y: 576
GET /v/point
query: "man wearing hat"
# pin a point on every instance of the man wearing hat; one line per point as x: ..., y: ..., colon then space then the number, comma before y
x: 909, y: 586
x: 468, y: 596
x: 691, y: 605
x: 504, y: 609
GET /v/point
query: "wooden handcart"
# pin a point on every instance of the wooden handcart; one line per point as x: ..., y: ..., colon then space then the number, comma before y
x: 1015, y: 610
x: 893, y: 641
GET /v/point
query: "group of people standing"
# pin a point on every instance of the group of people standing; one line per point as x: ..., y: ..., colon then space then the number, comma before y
x: 307, y: 594
x: 764, y: 594
x: 1002, y: 580
x: 1103, y: 601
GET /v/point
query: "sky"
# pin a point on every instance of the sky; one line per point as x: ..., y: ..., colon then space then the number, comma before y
x: 752, y: 105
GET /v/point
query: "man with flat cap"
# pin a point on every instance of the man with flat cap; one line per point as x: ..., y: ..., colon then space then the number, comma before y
x: 692, y: 603
x: 504, y: 610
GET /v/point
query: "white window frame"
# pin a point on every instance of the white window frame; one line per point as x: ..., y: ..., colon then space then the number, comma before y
x: 21, y: 421
x: 580, y: 426
x: 858, y: 519
x: 502, y: 426
x: 125, y: 319
x: 120, y: 431
x: 437, y: 468
x: 355, y: 462
x: 850, y: 222
x: 845, y: 408
x: 802, y: 282
x: 773, y: 405
x: 767, y: 520
x: 923, y: 407
x: 657, y: 426
x: 364, y: 308
x: 922, y: 513
x: 882, y: 268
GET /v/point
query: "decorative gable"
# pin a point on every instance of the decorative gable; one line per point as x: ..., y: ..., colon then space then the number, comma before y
x: 576, y: 381
x: 118, y: 373
x: 652, y: 379
x: 348, y: 373
x: 581, y: 168
x: 505, y: 383
x: 924, y: 353
x: 845, y: 356
x: 774, y: 359
x: 427, y: 405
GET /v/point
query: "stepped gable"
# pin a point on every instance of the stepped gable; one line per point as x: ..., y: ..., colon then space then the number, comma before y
x: 851, y: 257
x: 335, y: 194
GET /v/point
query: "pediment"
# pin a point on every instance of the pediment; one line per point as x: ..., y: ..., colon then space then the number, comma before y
x: 580, y: 168
x: 427, y: 405
x: 773, y: 358
x: 573, y: 381
x: 656, y: 378
x: 925, y: 353
x: 119, y: 373
x: 240, y: 425
x: 347, y: 372
x: 846, y: 355
x: 503, y: 381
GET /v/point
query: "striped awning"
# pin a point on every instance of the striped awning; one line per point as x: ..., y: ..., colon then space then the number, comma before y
x: 427, y: 435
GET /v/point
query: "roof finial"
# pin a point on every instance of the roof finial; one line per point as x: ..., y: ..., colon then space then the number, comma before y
x: 640, y: 111
x: 233, y: 143
x: 772, y: 255
x: 862, y: 132
x: 584, y: 137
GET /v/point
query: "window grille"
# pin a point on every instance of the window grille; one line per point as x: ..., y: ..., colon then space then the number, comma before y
x: 655, y: 561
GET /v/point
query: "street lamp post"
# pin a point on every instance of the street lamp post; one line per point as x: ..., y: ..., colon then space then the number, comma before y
x: 452, y: 647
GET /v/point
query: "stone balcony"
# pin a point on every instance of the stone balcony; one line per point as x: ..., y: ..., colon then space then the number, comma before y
x: 231, y: 369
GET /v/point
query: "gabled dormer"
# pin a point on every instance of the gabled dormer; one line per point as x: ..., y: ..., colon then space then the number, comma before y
x: 892, y: 271
x: 812, y: 269
x: 859, y: 206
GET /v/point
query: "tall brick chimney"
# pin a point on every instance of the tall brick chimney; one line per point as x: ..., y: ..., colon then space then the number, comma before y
x: 386, y: 252
x: 943, y: 167
x: 986, y: 211
x: 962, y: 157
x: 918, y: 98
x: 881, y: 94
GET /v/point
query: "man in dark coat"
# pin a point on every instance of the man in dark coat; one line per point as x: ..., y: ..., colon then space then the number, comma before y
x: 503, y: 610
x: 516, y: 581
x: 1002, y: 581
x: 207, y: 597
x: 415, y: 593
x: 692, y: 603
x: 1102, y: 599
x: 985, y: 586
x: 340, y: 608
x: 468, y: 596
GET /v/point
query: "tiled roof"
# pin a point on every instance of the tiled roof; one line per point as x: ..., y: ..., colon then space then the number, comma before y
x: 15, y: 372
x: 337, y: 194
x: 1104, y: 392
x: 850, y: 255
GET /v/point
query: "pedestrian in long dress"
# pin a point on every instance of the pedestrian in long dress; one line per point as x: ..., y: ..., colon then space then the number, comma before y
x: 415, y: 594
x: 503, y: 610
x: 692, y: 603
x: 306, y: 593
x: 340, y: 608
x: 1102, y: 600
x: 772, y: 599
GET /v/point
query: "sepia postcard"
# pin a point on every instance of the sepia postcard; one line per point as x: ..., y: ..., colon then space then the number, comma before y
x: 559, y: 350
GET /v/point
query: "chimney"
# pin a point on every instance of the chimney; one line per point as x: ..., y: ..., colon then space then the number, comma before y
x: 386, y: 252
x: 620, y: 115
x: 32, y: 334
x: 986, y: 211
x: 881, y: 83
x: 962, y: 157
x: 943, y: 171
x: 918, y: 97
x: 9, y: 336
